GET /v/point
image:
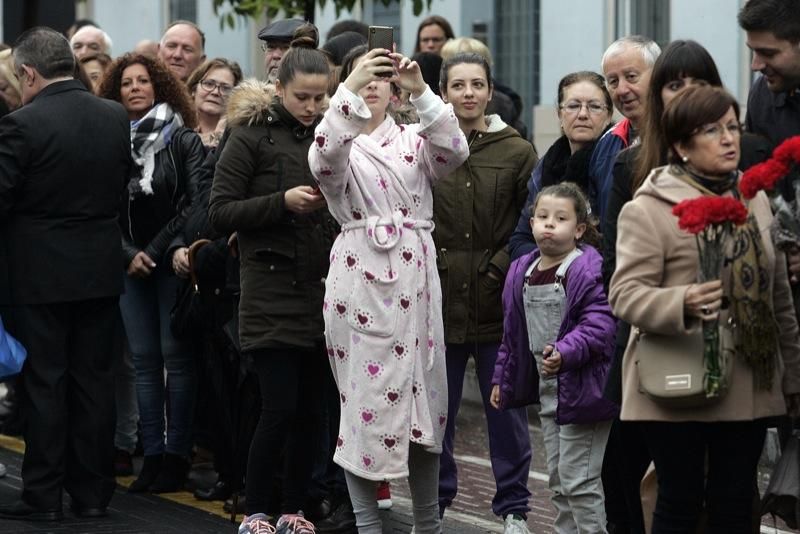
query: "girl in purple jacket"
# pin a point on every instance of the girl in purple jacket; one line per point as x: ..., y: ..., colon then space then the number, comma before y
x: 558, y: 338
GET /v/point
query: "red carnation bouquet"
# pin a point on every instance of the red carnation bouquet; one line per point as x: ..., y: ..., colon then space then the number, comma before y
x: 711, y: 219
x: 767, y: 176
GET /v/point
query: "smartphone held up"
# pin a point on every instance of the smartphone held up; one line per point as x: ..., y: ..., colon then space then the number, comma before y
x: 381, y: 37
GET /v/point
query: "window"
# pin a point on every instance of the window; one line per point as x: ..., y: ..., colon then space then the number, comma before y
x: 383, y: 15
x: 643, y: 17
x: 516, y: 52
x: 183, y: 10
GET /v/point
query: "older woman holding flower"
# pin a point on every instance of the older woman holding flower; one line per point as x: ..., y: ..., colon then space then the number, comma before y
x: 655, y: 288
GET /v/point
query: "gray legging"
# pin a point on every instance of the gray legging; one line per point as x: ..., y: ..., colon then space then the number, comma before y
x: 423, y: 480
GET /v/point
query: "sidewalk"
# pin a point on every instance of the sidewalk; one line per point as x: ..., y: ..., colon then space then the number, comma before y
x: 180, y: 512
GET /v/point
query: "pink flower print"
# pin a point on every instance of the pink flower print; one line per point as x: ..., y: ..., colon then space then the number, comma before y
x: 423, y: 135
x: 368, y: 277
x: 456, y: 141
x: 343, y: 140
x: 416, y: 388
x: 331, y: 352
x: 321, y: 140
x: 344, y: 107
x: 343, y: 398
x: 442, y: 419
x: 340, y: 442
x: 325, y: 171
x: 357, y: 214
x: 382, y: 184
x: 440, y: 159
x: 416, y: 433
x: 408, y: 158
x: 373, y: 369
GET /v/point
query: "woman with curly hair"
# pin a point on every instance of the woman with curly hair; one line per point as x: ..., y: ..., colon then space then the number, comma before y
x: 160, y: 194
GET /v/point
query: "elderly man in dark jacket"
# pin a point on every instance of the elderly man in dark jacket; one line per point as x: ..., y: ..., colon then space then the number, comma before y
x: 64, y: 157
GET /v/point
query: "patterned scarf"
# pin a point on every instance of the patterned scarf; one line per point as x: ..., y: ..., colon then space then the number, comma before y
x: 149, y: 135
x: 756, y: 329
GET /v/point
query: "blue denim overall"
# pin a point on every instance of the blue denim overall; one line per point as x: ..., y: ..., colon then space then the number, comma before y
x: 574, y: 452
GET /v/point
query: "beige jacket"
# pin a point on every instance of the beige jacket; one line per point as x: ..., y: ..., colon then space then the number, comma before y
x: 656, y: 264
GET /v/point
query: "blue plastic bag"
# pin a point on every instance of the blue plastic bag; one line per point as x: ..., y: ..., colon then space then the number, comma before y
x: 12, y: 354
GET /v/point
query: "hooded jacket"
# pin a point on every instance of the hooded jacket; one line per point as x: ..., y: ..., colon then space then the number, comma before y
x: 585, y: 341
x: 656, y: 264
x: 475, y: 210
x: 283, y: 255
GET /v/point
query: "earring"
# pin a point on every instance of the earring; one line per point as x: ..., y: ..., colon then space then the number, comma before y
x: 685, y: 159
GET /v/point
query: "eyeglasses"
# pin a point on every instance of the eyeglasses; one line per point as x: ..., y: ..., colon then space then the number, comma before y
x: 210, y: 85
x: 574, y: 107
x: 716, y: 130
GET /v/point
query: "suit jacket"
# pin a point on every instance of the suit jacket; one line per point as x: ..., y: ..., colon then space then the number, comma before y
x: 64, y: 161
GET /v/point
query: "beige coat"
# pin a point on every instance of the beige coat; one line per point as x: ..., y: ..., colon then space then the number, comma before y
x: 656, y: 264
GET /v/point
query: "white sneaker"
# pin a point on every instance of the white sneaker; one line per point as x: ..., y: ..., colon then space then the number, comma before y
x: 515, y: 525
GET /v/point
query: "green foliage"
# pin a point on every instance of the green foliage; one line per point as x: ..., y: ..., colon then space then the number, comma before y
x: 229, y: 10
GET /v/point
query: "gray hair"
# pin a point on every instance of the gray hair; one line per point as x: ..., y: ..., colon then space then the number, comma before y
x: 648, y: 48
x: 107, y: 43
x: 45, y: 50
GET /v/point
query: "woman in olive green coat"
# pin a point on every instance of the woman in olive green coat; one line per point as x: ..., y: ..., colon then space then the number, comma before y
x: 475, y: 210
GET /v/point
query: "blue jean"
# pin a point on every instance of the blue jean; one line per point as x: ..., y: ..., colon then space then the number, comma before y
x: 145, y: 311
x: 509, y: 442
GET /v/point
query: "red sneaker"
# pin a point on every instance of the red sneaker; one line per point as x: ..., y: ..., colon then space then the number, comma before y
x: 384, y: 496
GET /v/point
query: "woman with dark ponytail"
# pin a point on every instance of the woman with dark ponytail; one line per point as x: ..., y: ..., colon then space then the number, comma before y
x: 263, y: 190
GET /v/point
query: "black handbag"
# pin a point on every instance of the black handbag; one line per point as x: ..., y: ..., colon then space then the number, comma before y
x: 186, y: 315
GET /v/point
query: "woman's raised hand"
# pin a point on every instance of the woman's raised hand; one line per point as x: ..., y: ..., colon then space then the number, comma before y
x: 369, y: 68
x: 409, y: 76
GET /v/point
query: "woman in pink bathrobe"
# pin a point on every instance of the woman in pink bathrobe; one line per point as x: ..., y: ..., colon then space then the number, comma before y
x: 382, y: 308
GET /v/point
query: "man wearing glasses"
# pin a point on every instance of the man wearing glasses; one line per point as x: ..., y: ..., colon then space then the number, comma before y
x: 276, y: 36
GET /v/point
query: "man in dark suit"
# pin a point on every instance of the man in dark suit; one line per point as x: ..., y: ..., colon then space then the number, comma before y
x: 64, y: 160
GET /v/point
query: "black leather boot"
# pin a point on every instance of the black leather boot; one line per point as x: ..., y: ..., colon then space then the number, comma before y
x: 150, y: 470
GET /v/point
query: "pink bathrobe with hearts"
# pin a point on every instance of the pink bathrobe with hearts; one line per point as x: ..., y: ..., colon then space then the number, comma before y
x: 383, y: 301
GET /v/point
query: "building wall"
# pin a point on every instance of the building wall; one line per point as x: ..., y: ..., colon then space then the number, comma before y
x: 150, y: 17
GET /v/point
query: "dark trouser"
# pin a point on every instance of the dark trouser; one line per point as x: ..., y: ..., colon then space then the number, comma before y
x: 509, y: 442
x: 290, y: 380
x: 67, y: 400
x: 679, y: 451
x: 328, y: 477
x: 624, y: 466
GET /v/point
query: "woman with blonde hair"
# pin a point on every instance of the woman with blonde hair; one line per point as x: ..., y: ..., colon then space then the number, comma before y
x: 10, y: 90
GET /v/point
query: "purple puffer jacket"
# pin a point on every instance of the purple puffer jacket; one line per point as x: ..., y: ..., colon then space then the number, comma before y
x: 585, y: 341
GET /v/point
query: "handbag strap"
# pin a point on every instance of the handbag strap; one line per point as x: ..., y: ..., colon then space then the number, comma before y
x: 190, y: 255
